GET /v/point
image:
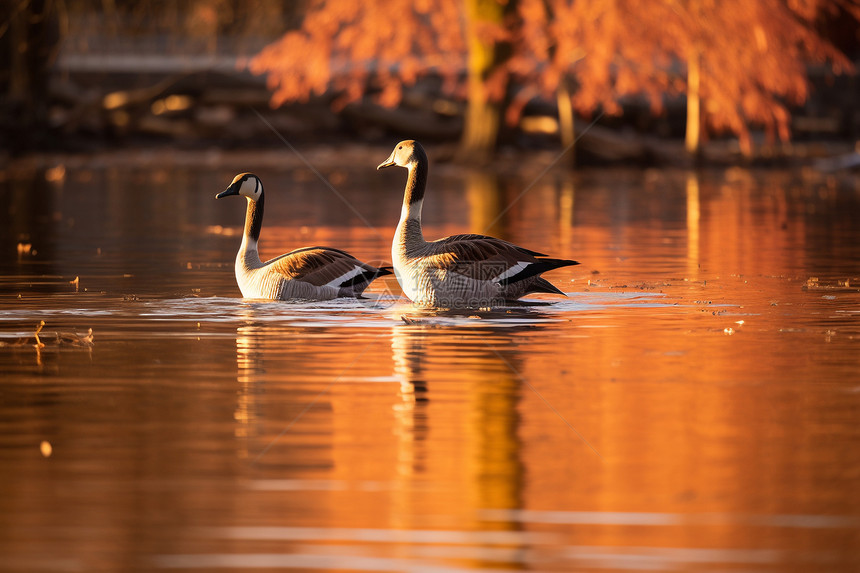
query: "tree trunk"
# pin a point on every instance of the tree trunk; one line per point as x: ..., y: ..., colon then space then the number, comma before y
x: 28, y: 46
x: 483, y: 112
x: 481, y: 129
x: 694, y: 113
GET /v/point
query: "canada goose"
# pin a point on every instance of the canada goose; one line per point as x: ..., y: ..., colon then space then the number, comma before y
x: 314, y: 273
x: 461, y: 270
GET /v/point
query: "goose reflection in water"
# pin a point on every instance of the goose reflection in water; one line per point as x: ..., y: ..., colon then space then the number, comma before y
x: 458, y: 408
x: 443, y: 431
x: 276, y: 385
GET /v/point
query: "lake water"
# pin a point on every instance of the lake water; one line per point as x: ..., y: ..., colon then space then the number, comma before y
x: 694, y: 404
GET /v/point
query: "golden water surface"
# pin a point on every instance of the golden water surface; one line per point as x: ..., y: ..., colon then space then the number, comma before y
x: 693, y: 405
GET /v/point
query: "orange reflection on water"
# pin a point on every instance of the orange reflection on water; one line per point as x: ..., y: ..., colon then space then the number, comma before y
x: 691, y: 406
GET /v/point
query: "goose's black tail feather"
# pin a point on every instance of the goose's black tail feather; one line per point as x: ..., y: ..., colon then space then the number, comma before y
x: 542, y: 266
x: 543, y: 285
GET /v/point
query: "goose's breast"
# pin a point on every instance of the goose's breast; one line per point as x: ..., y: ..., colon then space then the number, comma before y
x: 412, y: 279
x: 261, y: 283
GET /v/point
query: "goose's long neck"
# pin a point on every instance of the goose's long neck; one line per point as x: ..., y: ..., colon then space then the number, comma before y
x: 409, y: 232
x: 251, y: 236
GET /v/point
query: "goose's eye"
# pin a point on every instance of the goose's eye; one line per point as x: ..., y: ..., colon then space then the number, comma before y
x: 399, y: 147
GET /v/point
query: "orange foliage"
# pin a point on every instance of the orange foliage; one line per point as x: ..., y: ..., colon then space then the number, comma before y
x: 753, y: 53
x: 343, y: 45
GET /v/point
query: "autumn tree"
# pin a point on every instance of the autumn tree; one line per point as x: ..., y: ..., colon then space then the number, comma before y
x: 745, y: 60
x: 350, y: 48
x: 739, y: 62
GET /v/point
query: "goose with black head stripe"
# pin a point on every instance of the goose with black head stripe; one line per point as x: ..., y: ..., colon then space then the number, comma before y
x: 460, y: 271
x: 311, y: 273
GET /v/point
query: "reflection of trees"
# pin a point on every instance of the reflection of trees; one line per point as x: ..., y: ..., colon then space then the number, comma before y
x: 30, y: 203
x: 693, y: 215
x: 486, y: 203
x: 566, y: 200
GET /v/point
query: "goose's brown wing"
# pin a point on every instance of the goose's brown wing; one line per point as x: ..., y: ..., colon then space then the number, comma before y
x: 479, y: 257
x: 324, y: 266
x: 488, y: 243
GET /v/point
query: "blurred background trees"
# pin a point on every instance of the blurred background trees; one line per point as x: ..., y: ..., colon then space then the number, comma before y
x: 480, y: 71
x: 739, y: 62
x: 30, y: 36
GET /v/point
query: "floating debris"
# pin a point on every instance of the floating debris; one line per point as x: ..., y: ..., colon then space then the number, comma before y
x: 39, y: 328
x: 41, y: 339
x: 813, y: 283
x: 416, y: 321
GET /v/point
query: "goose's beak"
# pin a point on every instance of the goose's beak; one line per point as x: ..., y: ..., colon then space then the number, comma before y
x: 231, y: 190
x: 387, y: 163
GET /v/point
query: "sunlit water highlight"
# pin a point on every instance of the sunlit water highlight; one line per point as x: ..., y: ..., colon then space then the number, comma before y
x: 692, y: 405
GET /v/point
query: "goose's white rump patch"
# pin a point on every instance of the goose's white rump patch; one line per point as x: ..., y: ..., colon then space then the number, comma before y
x: 347, y: 276
x: 512, y: 271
